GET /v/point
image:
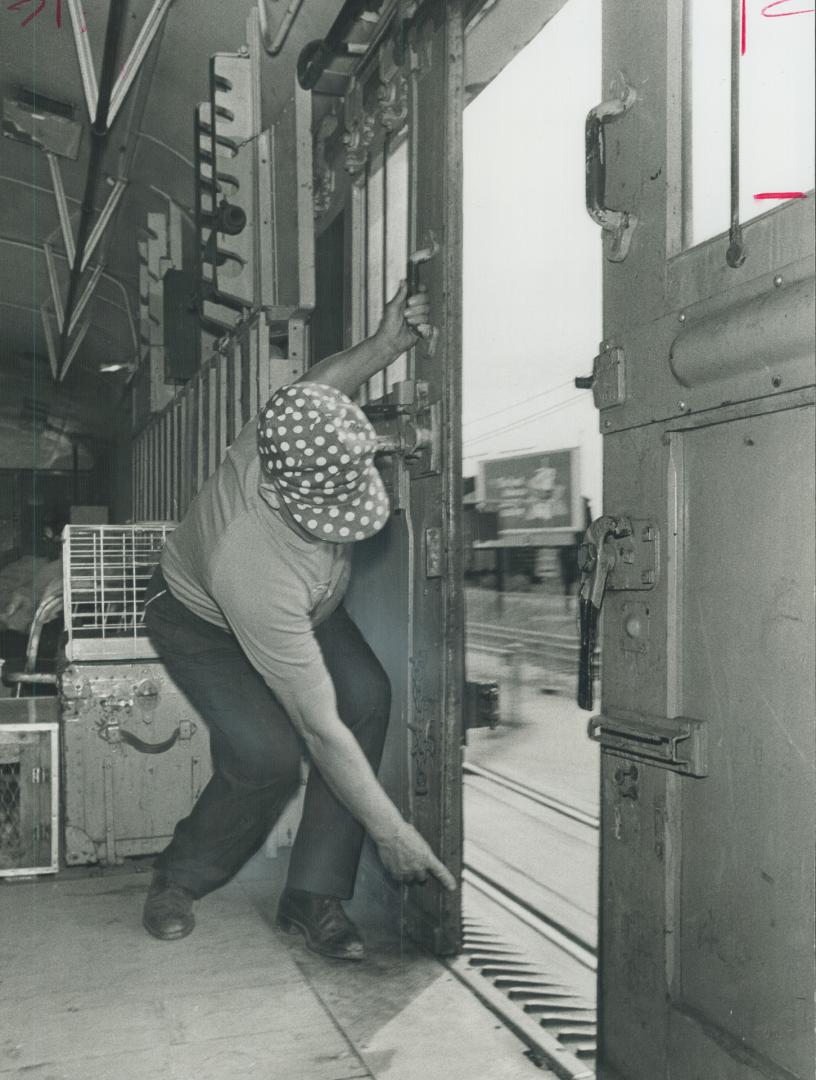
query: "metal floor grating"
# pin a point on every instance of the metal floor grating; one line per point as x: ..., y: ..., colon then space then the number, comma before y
x: 558, y: 1024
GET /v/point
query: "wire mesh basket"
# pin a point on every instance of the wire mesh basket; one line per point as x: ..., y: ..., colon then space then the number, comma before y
x: 106, y: 569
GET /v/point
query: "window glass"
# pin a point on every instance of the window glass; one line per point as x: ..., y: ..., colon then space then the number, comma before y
x: 374, y: 261
x: 776, y: 110
x: 396, y: 239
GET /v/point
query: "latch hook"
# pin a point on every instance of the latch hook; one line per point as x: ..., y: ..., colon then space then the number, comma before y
x: 596, y: 559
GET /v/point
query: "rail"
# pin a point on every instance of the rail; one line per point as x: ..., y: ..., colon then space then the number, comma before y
x: 540, y: 797
x: 553, y: 650
x: 545, y: 1002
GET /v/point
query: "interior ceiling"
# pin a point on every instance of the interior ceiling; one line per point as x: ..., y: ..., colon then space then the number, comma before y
x: 151, y: 143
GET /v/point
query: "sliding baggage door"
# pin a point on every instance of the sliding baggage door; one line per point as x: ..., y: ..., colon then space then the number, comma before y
x: 705, y: 388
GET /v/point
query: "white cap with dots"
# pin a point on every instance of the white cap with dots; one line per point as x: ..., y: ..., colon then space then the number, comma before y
x: 317, y: 447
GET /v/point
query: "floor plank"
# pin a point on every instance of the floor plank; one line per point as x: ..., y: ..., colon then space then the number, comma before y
x: 87, y: 995
x: 406, y: 1015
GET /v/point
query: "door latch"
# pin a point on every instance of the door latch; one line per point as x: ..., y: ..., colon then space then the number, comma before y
x: 596, y: 558
x: 608, y: 379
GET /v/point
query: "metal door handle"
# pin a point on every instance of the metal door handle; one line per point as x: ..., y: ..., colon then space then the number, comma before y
x: 596, y: 559
x: 619, y: 224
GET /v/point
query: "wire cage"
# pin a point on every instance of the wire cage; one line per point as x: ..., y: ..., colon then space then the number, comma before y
x: 29, y: 796
x: 106, y: 569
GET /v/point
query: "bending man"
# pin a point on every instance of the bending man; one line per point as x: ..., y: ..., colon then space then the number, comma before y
x: 246, y: 612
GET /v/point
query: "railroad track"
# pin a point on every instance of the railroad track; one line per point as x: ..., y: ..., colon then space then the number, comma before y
x: 554, y: 1015
x: 540, y: 797
x: 552, y: 650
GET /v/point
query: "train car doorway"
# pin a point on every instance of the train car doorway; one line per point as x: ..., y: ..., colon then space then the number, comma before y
x: 532, y: 468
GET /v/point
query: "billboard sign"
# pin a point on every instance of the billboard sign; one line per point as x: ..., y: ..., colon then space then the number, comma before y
x: 532, y: 491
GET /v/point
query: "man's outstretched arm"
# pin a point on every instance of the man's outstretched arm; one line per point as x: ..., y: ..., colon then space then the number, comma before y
x: 404, y: 319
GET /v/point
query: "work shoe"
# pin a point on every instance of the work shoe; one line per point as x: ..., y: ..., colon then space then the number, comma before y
x: 168, y: 910
x: 324, y: 925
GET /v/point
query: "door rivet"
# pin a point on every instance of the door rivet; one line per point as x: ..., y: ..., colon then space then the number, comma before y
x: 682, y: 405
x: 681, y: 317
x: 778, y: 280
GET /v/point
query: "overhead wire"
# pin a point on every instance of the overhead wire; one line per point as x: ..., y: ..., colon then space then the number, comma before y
x: 525, y: 420
x: 521, y: 401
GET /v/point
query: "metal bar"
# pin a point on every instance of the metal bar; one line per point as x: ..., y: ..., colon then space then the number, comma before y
x: 49, y: 339
x: 99, y: 132
x: 54, y: 282
x: 167, y: 439
x: 140, y: 49
x: 735, y: 255
x: 305, y: 203
x: 125, y: 307
x: 62, y: 205
x: 273, y: 45
x: 212, y: 416
x: 103, y: 219
x: 87, y: 293
x: 223, y: 441
x: 84, y: 55
x: 72, y: 351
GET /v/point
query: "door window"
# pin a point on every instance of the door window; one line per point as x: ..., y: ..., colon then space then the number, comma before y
x: 776, y: 110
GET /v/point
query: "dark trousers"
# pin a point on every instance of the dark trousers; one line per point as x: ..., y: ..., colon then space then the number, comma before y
x: 256, y: 753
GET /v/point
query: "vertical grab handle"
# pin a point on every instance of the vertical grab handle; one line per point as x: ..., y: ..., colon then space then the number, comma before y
x: 589, y: 636
x: 596, y: 558
x: 619, y: 225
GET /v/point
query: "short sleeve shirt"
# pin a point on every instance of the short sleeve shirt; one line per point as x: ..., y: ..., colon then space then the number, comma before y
x: 235, y: 562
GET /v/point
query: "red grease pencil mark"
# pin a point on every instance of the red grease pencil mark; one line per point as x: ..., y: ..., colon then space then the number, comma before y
x: 768, y: 14
x: 19, y: 3
x: 744, y: 32
x: 37, y: 10
x: 780, y: 195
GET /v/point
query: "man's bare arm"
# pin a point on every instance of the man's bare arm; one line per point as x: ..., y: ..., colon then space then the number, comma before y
x: 345, y: 768
x: 403, y: 319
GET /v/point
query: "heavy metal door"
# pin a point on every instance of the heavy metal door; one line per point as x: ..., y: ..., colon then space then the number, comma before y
x: 705, y: 386
x: 388, y: 181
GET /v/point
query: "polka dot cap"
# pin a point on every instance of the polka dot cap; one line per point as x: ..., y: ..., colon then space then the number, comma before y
x: 317, y: 447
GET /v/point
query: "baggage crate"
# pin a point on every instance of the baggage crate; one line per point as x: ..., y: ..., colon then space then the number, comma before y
x: 136, y: 756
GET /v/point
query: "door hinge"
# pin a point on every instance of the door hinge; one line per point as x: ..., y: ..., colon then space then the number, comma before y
x: 40, y: 774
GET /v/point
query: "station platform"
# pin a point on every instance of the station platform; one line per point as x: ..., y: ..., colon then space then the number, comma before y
x: 86, y: 994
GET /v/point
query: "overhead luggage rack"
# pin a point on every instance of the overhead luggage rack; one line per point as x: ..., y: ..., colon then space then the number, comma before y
x: 106, y: 569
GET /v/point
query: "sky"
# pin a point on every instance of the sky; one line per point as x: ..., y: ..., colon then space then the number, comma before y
x: 532, y: 256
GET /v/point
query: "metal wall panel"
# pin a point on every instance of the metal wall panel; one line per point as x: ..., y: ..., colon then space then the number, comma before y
x: 181, y: 446
x: 707, y: 880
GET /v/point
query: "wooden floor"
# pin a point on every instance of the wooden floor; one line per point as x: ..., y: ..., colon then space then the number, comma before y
x: 86, y: 994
